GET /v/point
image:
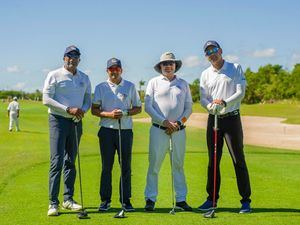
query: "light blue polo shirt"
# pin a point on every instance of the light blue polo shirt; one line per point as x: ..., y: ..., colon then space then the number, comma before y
x: 110, y: 96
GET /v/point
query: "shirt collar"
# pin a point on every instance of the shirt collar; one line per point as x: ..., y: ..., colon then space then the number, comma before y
x: 220, y: 70
x: 162, y: 77
x: 65, y: 71
x: 113, y: 84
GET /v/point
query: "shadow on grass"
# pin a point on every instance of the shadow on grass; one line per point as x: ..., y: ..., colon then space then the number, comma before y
x: 167, y: 210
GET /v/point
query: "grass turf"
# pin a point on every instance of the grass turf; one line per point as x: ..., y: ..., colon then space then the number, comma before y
x: 24, y: 166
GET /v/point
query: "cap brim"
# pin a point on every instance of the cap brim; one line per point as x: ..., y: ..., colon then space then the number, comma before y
x: 177, y: 62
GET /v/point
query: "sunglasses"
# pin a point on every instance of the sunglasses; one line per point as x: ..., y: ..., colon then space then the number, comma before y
x: 211, y: 51
x: 73, y: 56
x: 168, y: 63
x: 114, y: 69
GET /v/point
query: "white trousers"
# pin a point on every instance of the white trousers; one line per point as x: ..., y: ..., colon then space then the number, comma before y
x: 13, y: 119
x: 158, y: 147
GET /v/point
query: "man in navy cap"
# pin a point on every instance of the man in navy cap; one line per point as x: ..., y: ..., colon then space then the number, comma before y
x: 115, y: 99
x: 222, y: 88
x: 67, y: 93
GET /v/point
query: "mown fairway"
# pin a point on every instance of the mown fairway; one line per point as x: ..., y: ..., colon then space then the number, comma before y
x: 24, y: 162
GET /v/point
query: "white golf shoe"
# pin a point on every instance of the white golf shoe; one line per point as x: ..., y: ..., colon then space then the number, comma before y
x: 71, y: 205
x: 53, y: 210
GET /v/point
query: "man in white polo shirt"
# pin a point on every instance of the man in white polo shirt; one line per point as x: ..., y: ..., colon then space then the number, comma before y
x: 222, y: 88
x: 169, y: 103
x: 115, y: 99
x: 67, y: 93
x: 13, y: 111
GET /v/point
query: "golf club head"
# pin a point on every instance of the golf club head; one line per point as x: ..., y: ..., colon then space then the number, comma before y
x: 172, y: 212
x: 120, y: 214
x: 209, y: 214
x: 83, y: 214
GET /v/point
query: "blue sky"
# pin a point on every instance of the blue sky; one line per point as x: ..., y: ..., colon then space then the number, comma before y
x: 34, y: 35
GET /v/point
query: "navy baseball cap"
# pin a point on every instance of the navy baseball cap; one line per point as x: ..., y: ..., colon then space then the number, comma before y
x: 72, y: 48
x: 113, y: 62
x: 209, y: 43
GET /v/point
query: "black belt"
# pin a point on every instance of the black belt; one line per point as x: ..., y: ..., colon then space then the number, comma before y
x: 233, y: 113
x: 164, y: 128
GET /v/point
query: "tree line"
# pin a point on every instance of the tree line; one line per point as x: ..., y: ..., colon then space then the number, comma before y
x: 270, y: 83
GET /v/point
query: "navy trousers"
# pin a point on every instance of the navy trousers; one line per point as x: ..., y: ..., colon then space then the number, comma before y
x: 63, y: 153
x: 109, y: 144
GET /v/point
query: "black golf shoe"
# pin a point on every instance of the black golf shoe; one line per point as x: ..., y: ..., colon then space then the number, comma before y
x: 127, y: 206
x: 183, y: 206
x: 149, y: 205
x: 104, y: 206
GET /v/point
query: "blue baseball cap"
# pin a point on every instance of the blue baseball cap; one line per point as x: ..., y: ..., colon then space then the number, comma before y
x: 210, y: 43
x: 72, y: 48
x: 113, y: 62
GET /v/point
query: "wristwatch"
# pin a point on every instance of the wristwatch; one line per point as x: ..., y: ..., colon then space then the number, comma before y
x: 179, y: 123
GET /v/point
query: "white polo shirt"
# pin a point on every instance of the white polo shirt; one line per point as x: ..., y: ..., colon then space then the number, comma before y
x: 13, y: 107
x: 228, y: 83
x: 62, y: 89
x: 110, y: 96
x: 168, y: 100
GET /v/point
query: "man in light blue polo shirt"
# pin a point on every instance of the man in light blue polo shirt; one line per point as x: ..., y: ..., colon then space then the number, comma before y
x: 115, y: 99
x: 67, y: 93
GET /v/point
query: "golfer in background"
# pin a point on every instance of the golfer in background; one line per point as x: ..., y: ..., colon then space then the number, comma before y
x: 13, y: 111
x: 222, y: 88
x: 67, y: 93
x: 115, y: 99
x: 168, y: 101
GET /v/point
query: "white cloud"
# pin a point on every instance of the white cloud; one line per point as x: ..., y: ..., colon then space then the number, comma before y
x: 192, y: 61
x: 45, y: 70
x: 19, y: 86
x: 264, y: 53
x: 88, y: 72
x: 231, y: 58
x: 13, y: 69
x: 296, y: 58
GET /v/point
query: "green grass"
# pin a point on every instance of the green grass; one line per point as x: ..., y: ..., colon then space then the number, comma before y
x: 24, y: 162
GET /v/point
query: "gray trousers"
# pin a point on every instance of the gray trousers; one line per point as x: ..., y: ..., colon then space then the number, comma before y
x: 63, y: 153
x: 109, y: 143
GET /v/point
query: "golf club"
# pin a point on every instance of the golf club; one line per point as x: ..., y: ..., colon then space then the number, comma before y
x: 121, y: 213
x: 83, y: 213
x: 172, y: 212
x: 211, y: 213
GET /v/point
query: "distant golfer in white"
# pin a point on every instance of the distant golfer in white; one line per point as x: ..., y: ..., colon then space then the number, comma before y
x: 13, y: 111
x: 169, y: 103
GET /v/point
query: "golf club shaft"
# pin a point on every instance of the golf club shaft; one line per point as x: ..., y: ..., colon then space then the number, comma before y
x: 79, y: 169
x: 172, y: 174
x: 121, y: 166
x: 215, y: 158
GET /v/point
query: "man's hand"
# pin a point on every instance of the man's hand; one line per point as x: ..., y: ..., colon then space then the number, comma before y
x: 171, y: 127
x: 116, y: 114
x: 76, y: 112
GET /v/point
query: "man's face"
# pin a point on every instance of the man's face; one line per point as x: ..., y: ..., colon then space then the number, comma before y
x: 213, y: 54
x: 168, y: 67
x: 71, y: 60
x: 114, y: 72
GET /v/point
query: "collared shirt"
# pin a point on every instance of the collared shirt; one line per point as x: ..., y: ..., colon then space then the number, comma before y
x: 13, y: 107
x: 62, y: 89
x: 110, y: 96
x: 168, y: 100
x: 228, y: 83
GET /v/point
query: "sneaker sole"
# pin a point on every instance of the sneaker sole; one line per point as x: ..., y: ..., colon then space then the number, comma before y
x: 71, y: 209
x: 103, y: 210
x: 52, y: 214
x: 182, y: 209
x: 205, y: 210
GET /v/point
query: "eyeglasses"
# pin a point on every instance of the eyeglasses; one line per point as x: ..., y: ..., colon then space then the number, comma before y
x: 211, y: 51
x: 168, y: 63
